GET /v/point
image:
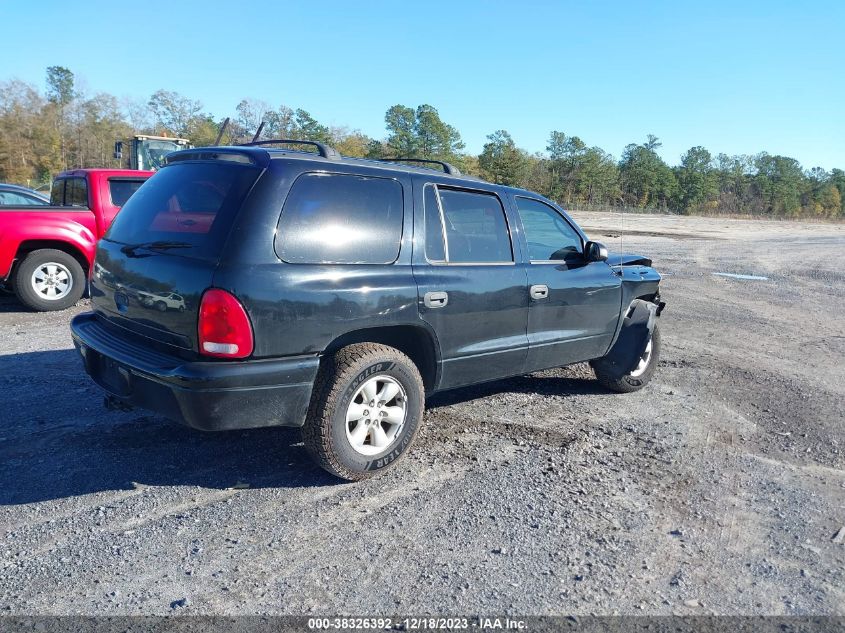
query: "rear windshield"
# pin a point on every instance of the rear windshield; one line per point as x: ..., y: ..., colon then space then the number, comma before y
x: 192, y: 205
x: 69, y: 192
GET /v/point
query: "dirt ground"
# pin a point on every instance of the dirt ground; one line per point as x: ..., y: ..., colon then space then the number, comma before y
x: 720, y: 488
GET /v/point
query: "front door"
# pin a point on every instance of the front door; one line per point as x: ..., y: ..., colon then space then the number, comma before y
x: 471, y: 291
x: 575, y: 304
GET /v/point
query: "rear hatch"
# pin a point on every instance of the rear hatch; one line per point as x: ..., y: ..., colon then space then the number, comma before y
x: 161, y: 251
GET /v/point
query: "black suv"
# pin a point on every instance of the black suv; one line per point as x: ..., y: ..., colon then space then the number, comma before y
x: 333, y: 294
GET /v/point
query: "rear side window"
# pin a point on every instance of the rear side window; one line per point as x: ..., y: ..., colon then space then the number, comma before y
x: 190, y: 204
x: 57, y: 193
x: 121, y: 189
x: 435, y: 247
x: 76, y: 192
x: 69, y: 192
x: 474, y: 225
x: 341, y: 219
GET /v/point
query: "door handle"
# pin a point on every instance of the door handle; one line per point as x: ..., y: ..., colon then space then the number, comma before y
x: 435, y: 299
x: 539, y: 291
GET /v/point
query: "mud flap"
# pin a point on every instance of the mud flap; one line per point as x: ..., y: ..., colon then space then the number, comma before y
x: 636, y: 330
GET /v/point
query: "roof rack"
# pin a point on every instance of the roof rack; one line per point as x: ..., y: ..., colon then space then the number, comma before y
x: 447, y: 168
x: 324, y: 150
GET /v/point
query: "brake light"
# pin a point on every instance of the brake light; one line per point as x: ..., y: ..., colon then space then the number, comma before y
x: 223, y: 326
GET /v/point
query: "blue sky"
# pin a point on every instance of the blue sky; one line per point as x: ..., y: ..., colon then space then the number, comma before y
x: 736, y: 77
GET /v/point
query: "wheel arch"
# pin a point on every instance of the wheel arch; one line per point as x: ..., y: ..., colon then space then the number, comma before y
x: 415, y: 341
x: 28, y: 246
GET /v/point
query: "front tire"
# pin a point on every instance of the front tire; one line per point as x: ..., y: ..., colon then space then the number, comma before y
x: 49, y: 279
x: 365, y: 410
x: 640, y: 376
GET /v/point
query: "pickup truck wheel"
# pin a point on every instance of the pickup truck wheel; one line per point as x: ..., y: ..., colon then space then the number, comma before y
x: 365, y: 410
x: 49, y: 279
x: 640, y: 376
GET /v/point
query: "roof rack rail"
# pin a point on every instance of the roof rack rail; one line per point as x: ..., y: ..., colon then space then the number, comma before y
x: 447, y: 168
x: 324, y: 150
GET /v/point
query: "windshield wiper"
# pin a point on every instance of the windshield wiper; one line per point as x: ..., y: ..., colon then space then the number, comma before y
x: 130, y: 249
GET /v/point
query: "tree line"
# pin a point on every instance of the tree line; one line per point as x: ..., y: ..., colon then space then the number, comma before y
x: 42, y: 133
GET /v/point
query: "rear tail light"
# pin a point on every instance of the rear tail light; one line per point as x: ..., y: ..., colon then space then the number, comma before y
x: 224, y: 328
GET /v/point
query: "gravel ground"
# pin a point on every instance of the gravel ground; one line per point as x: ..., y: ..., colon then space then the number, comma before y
x: 720, y: 488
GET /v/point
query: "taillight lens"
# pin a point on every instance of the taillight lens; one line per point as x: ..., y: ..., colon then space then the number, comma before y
x: 224, y: 328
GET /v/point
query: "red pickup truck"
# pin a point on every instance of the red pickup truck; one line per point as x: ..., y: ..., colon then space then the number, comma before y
x: 47, y: 251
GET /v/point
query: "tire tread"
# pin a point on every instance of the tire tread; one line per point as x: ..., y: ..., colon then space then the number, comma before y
x: 328, y: 390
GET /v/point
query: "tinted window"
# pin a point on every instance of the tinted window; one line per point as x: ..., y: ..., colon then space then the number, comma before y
x: 120, y: 190
x: 434, y: 246
x: 57, y: 192
x: 549, y: 235
x: 340, y: 219
x: 76, y: 192
x: 476, y: 230
x: 193, y: 204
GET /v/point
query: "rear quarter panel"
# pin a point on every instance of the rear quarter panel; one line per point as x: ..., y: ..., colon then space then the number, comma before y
x: 300, y: 308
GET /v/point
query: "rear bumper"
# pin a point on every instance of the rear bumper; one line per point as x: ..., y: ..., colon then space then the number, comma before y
x: 207, y: 395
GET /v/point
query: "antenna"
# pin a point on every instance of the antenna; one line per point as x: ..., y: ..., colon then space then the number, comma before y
x: 258, y: 132
x: 221, y: 130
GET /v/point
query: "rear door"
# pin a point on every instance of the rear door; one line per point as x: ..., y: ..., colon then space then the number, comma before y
x: 574, y: 304
x: 161, y: 251
x: 470, y: 289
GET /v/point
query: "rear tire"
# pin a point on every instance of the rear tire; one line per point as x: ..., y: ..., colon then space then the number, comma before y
x: 49, y: 279
x: 345, y: 396
x: 640, y: 376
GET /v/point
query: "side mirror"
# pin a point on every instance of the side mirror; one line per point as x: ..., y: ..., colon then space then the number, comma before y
x: 595, y: 252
